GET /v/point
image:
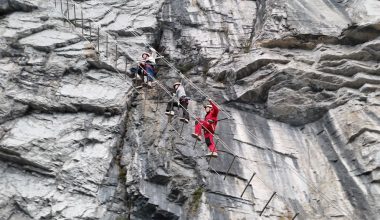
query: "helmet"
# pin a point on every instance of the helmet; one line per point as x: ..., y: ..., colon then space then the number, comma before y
x: 145, y: 54
x: 177, y: 83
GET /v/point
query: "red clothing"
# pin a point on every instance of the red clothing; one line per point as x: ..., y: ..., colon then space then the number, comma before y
x: 209, y: 126
x: 212, y: 118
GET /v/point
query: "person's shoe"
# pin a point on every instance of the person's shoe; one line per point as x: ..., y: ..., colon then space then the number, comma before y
x: 209, y: 154
x: 130, y: 74
x: 214, y: 154
x: 198, y: 137
x: 139, y: 87
x: 184, y: 120
x: 169, y: 113
x: 149, y: 84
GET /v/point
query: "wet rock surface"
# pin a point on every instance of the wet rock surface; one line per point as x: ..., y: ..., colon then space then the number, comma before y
x: 301, y: 80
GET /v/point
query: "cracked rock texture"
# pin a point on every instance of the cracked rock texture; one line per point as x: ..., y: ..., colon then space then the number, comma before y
x: 300, y: 78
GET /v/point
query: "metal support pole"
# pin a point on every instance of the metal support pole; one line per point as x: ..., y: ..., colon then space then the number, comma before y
x: 134, y: 80
x: 229, y: 167
x: 68, y: 10
x: 116, y: 54
x: 81, y: 14
x: 223, y: 119
x: 183, y: 124
x: 126, y: 64
x: 61, y: 7
x: 295, y: 216
x: 249, y: 182
x: 262, y: 211
x: 159, y: 98
x: 55, y: 3
x: 196, y: 140
x: 156, y: 103
x: 98, y: 38
x: 209, y: 160
x: 174, y: 138
x: 107, y: 45
x: 75, y: 15
x: 89, y: 21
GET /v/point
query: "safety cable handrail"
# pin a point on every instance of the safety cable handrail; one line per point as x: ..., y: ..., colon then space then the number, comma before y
x: 196, y: 118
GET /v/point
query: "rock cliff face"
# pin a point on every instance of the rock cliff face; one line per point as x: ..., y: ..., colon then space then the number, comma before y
x: 300, y: 79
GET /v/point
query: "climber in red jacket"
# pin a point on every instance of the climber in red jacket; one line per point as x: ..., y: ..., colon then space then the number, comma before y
x: 209, y: 126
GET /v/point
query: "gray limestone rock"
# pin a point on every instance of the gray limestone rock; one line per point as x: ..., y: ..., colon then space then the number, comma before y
x: 300, y: 79
x: 49, y: 39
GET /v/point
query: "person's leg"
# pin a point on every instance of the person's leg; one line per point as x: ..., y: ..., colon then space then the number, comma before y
x: 198, y: 129
x: 207, y: 127
x: 144, y: 75
x: 211, y: 144
x: 141, y: 72
x: 169, y: 107
x: 175, y: 104
x: 185, y: 113
x: 150, y: 76
x: 138, y: 77
x: 150, y: 73
x: 132, y: 72
x: 209, y: 139
x: 154, y: 73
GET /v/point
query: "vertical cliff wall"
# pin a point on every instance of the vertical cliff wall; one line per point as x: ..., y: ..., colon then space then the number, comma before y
x: 300, y: 79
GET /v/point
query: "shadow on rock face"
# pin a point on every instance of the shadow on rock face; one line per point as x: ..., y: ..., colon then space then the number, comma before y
x: 360, y: 34
x: 9, y: 6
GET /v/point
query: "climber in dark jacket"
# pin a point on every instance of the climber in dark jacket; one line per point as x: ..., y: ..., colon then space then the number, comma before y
x: 208, y: 125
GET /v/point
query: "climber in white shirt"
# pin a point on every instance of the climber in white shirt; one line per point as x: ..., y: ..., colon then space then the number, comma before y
x: 181, y: 101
